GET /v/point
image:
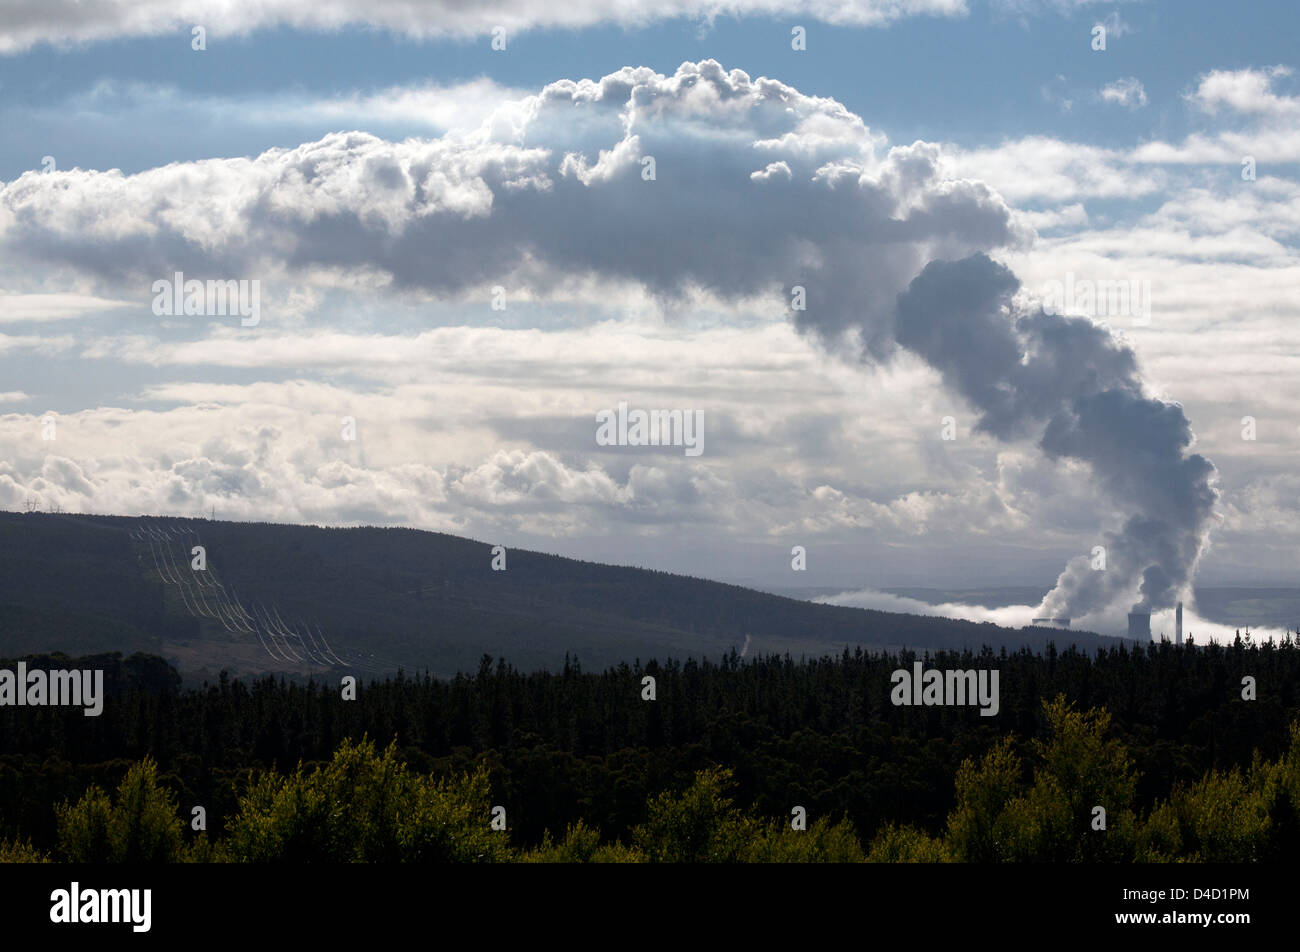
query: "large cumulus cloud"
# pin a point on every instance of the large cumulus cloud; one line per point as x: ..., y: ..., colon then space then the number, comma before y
x: 550, y: 189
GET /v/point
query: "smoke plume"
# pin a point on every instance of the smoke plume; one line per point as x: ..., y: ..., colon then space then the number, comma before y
x: 1074, y: 387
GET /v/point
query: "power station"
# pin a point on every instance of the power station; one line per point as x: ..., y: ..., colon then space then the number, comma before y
x: 1060, y: 621
x: 1139, y: 625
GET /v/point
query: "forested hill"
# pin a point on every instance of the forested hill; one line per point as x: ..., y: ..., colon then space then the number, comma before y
x: 306, y: 599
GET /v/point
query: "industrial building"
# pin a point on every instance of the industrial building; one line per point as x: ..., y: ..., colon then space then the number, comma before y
x: 1060, y: 621
x: 1139, y: 625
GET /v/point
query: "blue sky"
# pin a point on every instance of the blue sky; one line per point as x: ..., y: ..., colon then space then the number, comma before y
x: 975, y: 79
x: 378, y: 173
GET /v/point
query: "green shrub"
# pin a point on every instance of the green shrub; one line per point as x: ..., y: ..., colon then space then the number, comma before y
x: 699, y: 825
x: 141, y: 824
x: 905, y: 844
x: 21, y: 851
x: 364, y: 807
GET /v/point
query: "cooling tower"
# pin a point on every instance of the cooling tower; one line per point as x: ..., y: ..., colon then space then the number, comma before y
x: 1139, y: 625
x: 1059, y: 621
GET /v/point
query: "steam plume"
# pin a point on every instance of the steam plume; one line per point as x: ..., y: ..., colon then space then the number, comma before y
x: 1074, y: 387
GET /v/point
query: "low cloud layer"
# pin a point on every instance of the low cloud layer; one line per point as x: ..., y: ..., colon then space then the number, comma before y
x: 1199, y: 628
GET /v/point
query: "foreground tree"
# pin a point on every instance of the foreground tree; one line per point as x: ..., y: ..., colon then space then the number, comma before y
x: 364, y: 806
x: 140, y: 824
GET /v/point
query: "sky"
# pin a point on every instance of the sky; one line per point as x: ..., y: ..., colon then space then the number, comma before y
x: 460, y: 257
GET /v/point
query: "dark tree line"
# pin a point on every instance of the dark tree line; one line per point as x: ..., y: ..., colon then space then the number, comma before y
x: 574, y: 745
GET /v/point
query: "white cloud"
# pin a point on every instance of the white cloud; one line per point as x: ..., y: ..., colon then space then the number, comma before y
x: 1068, y: 216
x: 1244, y: 91
x: 46, y: 345
x: 1127, y: 92
x: 1264, y: 127
x: 15, y: 308
x: 426, y: 106
x: 1040, y: 167
x: 29, y: 22
x: 1012, y: 616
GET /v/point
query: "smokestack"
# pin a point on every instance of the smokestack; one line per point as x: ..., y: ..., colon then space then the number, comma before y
x: 1139, y: 625
x: 1178, y: 625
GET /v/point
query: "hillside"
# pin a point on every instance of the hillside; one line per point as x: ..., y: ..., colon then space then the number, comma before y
x: 303, y: 599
